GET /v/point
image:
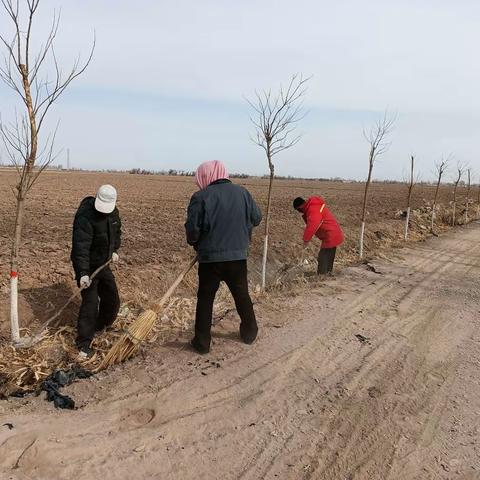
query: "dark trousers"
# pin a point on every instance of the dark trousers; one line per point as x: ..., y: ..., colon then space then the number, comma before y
x: 234, y: 274
x: 99, y: 309
x: 326, y: 258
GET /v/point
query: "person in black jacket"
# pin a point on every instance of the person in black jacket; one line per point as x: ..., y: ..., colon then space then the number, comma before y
x: 95, y: 240
x: 220, y: 220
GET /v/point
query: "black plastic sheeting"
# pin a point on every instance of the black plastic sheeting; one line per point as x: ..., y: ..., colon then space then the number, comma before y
x: 58, y: 379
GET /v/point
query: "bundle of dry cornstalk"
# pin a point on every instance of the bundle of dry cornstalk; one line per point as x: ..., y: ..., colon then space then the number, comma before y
x: 127, y: 346
x: 24, y: 369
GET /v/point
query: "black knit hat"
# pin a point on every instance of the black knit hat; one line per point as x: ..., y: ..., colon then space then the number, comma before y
x: 299, y: 201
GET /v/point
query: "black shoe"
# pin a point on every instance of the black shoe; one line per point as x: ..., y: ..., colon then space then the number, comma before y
x: 85, y: 353
x: 198, y: 348
x: 248, y: 337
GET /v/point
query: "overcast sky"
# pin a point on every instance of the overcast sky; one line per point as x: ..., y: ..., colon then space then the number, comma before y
x: 167, y: 84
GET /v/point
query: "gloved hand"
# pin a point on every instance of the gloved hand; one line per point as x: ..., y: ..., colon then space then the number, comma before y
x: 85, y: 281
x: 115, y: 257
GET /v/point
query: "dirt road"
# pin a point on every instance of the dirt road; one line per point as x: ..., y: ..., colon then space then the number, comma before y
x: 308, y: 400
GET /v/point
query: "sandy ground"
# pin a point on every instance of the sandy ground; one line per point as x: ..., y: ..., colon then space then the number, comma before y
x: 309, y: 400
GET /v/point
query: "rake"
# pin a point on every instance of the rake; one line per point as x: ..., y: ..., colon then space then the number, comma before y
x: 128, y: 344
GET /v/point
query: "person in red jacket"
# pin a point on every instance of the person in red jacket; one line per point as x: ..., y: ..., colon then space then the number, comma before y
x: 321, y: 223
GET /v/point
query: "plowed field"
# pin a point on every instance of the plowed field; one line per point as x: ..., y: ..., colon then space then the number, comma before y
x: 153, y: 213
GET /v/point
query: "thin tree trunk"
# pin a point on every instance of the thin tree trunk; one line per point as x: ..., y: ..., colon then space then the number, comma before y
x: 264, y: 262
x: 267, y: 221
x: 468, y: 197
x: 434, y: 206
x: 22, y: 189
x: 409, y: 197
x: 407, y: 222
x: 14, y: 323
x: 362, y: 233
x: 454, y: 204
x: 364, y: 209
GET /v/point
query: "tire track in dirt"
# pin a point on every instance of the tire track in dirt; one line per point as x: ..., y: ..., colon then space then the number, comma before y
x: 418, y: 328
x: 394, y: 349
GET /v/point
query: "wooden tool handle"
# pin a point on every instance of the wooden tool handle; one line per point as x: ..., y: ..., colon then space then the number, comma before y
x: 157, y: 307
x: 37, y: 335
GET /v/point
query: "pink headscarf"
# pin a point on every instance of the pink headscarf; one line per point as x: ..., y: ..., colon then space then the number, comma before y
x: 209, y: 172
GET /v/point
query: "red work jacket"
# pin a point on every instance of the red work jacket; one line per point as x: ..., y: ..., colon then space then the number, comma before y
x: 321, y: 223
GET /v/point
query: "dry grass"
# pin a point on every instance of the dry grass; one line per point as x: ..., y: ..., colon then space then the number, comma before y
x: 24, y: 369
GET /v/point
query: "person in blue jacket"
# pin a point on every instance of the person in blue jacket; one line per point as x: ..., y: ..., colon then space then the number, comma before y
x: 220, y: 220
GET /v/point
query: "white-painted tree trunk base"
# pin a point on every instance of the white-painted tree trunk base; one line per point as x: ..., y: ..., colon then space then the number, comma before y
x: 407, y: 222
x: 432, y: 224
x: 14, y: 309
x: 264, y: 262
x: 453, y: 214
x: 362, y: 233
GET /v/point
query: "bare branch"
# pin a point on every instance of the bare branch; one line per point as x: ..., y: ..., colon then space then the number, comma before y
x: 45, y: 49
x: 61, y: 83
x: 378, y: 134
x: 277, y: 116
x: 460, y: 172
x: 32, y: 6
x: 13, y: 10
x: 442, y: 165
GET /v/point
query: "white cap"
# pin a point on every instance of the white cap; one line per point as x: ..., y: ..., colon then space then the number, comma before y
x: 106, y: 199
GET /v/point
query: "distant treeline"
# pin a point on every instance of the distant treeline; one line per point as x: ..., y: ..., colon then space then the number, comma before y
x: 180, y: 173
x: 188, y: 173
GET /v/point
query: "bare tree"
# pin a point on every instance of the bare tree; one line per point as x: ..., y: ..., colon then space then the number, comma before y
x: 409, y: 196
x: 467, y: 200
x: 38, y: 80
x: 275, y: 118
x: 377, y: 138
x: 440, y: 168
x: 460, y: 172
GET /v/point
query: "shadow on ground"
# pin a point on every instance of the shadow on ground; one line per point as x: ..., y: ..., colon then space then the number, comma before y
x: 46, y: 301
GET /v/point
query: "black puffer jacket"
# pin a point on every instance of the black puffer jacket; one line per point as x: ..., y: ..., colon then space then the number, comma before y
x: 220, y: 221
x: 95, y: 237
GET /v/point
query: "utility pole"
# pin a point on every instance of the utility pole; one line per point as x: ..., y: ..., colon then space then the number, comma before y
x: 68, y: 159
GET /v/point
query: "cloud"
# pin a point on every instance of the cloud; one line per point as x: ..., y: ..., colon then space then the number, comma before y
x: 167, y: 81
